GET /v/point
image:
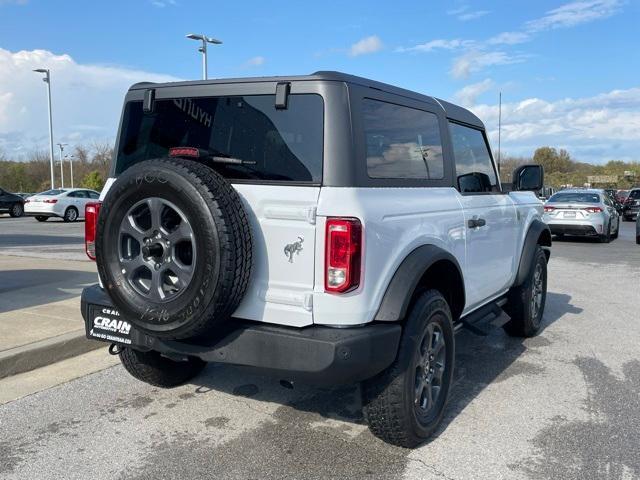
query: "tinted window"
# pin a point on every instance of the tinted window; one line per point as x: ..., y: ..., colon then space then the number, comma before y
x: 401, y: 142
x: 634, y: 194
x: 575, y: 197
x: 474, y: 167
x: 93, y: 195
x: 282, y: 145
x: 52, y: 192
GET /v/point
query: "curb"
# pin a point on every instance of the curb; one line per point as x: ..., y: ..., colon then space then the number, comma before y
x: 45, y: 352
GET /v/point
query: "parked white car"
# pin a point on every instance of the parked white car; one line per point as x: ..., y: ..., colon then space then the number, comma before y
x: 66, y: 203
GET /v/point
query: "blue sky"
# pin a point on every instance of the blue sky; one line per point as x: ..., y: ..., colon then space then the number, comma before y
x: 569, y: 71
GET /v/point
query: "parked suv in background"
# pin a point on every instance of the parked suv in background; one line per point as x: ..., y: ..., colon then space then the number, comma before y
x: 324, y: 228
x: 631, y: 205
x: 11, y: 203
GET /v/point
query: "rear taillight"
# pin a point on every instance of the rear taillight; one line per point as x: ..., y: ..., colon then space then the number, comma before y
x: 184, y: 152
x: 343, y: 254
x: 593, y: 209
x: 53, y: 200
x: 549, y: 209
x: 91, y: 212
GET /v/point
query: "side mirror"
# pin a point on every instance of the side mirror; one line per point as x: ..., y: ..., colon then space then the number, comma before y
x: 528, y: 178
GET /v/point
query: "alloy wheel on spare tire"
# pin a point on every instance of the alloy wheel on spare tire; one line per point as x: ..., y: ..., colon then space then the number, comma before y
x: 174, y: 247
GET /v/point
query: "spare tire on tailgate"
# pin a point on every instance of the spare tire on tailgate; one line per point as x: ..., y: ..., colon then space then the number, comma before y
x: 174, y: 247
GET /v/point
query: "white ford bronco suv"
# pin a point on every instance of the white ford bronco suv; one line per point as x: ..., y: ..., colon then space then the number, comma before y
x: 324, y: 228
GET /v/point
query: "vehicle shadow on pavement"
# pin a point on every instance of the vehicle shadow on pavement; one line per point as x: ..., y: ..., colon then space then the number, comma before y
x: 33, y: 242
x: 30, y: 288
x: 480, y: 361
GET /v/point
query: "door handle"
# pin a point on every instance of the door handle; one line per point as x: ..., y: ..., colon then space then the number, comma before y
x: 476, y: 222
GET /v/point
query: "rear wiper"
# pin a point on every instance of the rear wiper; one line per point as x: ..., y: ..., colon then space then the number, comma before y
x: 232, y: 160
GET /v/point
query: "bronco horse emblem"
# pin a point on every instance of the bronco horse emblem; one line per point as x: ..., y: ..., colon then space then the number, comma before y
x: 293, y: 249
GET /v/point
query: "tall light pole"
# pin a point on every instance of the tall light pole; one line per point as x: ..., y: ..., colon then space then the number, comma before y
x: 70, y: 165
x: 203, y: 49
x: 61, y: 145
x: 47, y: 80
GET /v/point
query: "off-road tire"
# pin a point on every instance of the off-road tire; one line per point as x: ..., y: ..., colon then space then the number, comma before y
x: 388, y: 398
x: 70, y: 214
x: 154, y: 369
x: 17, y: 210
x: 41, y: 218
x: 518, y: 307
x: 222, y: 236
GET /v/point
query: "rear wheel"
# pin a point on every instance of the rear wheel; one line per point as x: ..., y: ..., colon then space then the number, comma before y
x: 17, y: 210
x: 606, y: 237
x: 404, y: 404
x: 70, y: 214
x: 154, y: 369
x: 41, y: 218
x: 526, y: 302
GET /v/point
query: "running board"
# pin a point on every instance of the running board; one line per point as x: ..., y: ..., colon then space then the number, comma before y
x: 485, y: 319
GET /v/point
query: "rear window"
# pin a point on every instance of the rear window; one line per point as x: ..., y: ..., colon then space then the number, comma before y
x: 275, y: 145
x: 634, y: 194
x: 575, y: 198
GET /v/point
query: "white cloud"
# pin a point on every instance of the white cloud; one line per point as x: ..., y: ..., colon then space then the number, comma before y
x: 594, y: 129
x: 468, y: 95
x: 163, y: 3
x: 476, y: 60
x: 509, y: 38
x: 464, y: 13
x: 472, y: 15
x: 574, y: 13
x: 87, y: 99
x: 255, y: 61
x: 367, y: 45
x: 438, y: 44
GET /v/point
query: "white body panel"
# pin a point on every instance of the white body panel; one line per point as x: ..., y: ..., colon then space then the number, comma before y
x: 395, y: 222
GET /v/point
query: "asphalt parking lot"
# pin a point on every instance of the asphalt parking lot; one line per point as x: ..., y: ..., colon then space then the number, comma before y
x: 563, y: 405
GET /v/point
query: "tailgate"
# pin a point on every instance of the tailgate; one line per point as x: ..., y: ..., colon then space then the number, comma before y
x: 283, y: 226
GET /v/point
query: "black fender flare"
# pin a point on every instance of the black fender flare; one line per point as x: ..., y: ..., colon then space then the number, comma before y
x: 536, y: 229
x: 399, y: 293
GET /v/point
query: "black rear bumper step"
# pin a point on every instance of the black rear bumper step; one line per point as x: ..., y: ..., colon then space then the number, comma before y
x: 316, y: 354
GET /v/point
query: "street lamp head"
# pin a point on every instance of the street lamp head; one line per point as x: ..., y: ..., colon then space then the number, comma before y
x: 42, y: 70
x: 204, y: 38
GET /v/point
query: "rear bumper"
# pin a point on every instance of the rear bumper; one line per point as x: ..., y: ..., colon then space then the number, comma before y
x: 588, y: 230
x: 41, y: 210
x: 318, y: 355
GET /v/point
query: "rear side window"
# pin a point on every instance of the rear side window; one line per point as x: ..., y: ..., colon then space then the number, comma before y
x: 635, y: 194
x: 474, y: 168
x: 275, y: 145
x: 401, y: 142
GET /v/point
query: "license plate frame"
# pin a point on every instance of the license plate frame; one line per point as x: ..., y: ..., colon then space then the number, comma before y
x: 106, y: 325
x: 569, y: 215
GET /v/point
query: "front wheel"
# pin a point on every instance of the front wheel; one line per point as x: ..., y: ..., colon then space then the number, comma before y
x: 41, y: 218
x: 404, y: 404
x: 154, y: 369
x: 526, y: 302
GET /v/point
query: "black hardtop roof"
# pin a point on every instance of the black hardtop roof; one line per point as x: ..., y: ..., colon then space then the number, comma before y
x: 451, y: 110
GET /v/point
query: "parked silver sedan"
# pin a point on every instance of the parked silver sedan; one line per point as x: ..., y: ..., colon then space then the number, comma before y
x: 582, y: 212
